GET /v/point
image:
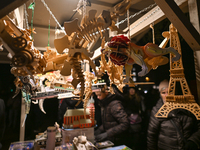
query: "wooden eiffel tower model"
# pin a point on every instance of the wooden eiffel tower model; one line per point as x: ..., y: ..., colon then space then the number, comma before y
x: 185, y: 101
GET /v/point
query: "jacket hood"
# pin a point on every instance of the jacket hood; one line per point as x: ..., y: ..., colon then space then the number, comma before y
x: 109, y: 98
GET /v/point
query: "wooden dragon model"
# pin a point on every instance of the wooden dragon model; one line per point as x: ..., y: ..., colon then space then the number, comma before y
x: 122, y: 52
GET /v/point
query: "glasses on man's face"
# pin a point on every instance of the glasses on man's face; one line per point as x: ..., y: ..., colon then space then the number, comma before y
x: 164, y: 93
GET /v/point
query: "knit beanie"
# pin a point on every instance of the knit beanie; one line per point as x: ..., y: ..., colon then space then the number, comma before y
x: 163, y: 85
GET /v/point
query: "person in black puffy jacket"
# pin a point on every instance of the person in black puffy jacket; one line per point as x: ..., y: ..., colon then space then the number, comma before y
x: 180, y: 131
x: 114, y: 119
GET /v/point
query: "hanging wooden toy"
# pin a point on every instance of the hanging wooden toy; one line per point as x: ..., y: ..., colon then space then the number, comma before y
x: 122, y: 52
x: 186, y: 100
x: 78, y: 37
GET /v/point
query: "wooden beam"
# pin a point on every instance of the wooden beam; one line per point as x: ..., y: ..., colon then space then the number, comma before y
x: 194, y: 12
x: 153, y: 16
x: 9, y: 5
x: 181, y: 22
x: 19, y: 13
x: 112, y: 5
x: 101, y: 3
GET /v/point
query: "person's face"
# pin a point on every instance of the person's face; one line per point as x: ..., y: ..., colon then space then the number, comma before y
x: 131, y: 91
x: 101, y: 95
x: 163, y: 94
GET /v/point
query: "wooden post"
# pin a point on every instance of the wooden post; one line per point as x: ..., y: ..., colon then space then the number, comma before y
x: 22, y: 120
x: 19, y: 13
x: 194, y: 11
x: 9, y: 5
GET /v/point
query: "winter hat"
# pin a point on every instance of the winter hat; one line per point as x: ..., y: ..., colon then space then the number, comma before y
x: 163, y: 85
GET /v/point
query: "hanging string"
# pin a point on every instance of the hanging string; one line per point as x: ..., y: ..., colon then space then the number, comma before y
x: 62, y: 28
x: 32, y: 6
x: 117, y: 22
x: 153, y: 34
x: 56, y: 32
x: 138, y: 13
x: 78, y: 8
x: 49, y: 32
x: 128, y: 25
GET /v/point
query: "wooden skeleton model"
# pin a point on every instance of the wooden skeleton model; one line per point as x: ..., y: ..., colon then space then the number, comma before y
x: 114, y: 72
x: 122, y: 52
x: 89, y: 77
x: 185, y: 101
x: 79, y: 37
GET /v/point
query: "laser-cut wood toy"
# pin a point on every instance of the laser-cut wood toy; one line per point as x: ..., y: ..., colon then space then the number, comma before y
x: 185, y: 101
x: 122, y: 52
x: 79, y: 37
x: 114, y: 72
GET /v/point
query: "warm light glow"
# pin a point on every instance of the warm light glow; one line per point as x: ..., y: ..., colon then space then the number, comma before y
x: 147, y: 78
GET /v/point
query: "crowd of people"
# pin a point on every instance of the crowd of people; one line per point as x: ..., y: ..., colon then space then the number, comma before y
x: 123, y: 122
x: 125, y: 118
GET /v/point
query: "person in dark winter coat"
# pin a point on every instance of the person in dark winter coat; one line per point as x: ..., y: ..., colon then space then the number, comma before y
x: 65, y: 104
x: 114, y: 119
x: 180, y: 131
x: 134, y: 107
